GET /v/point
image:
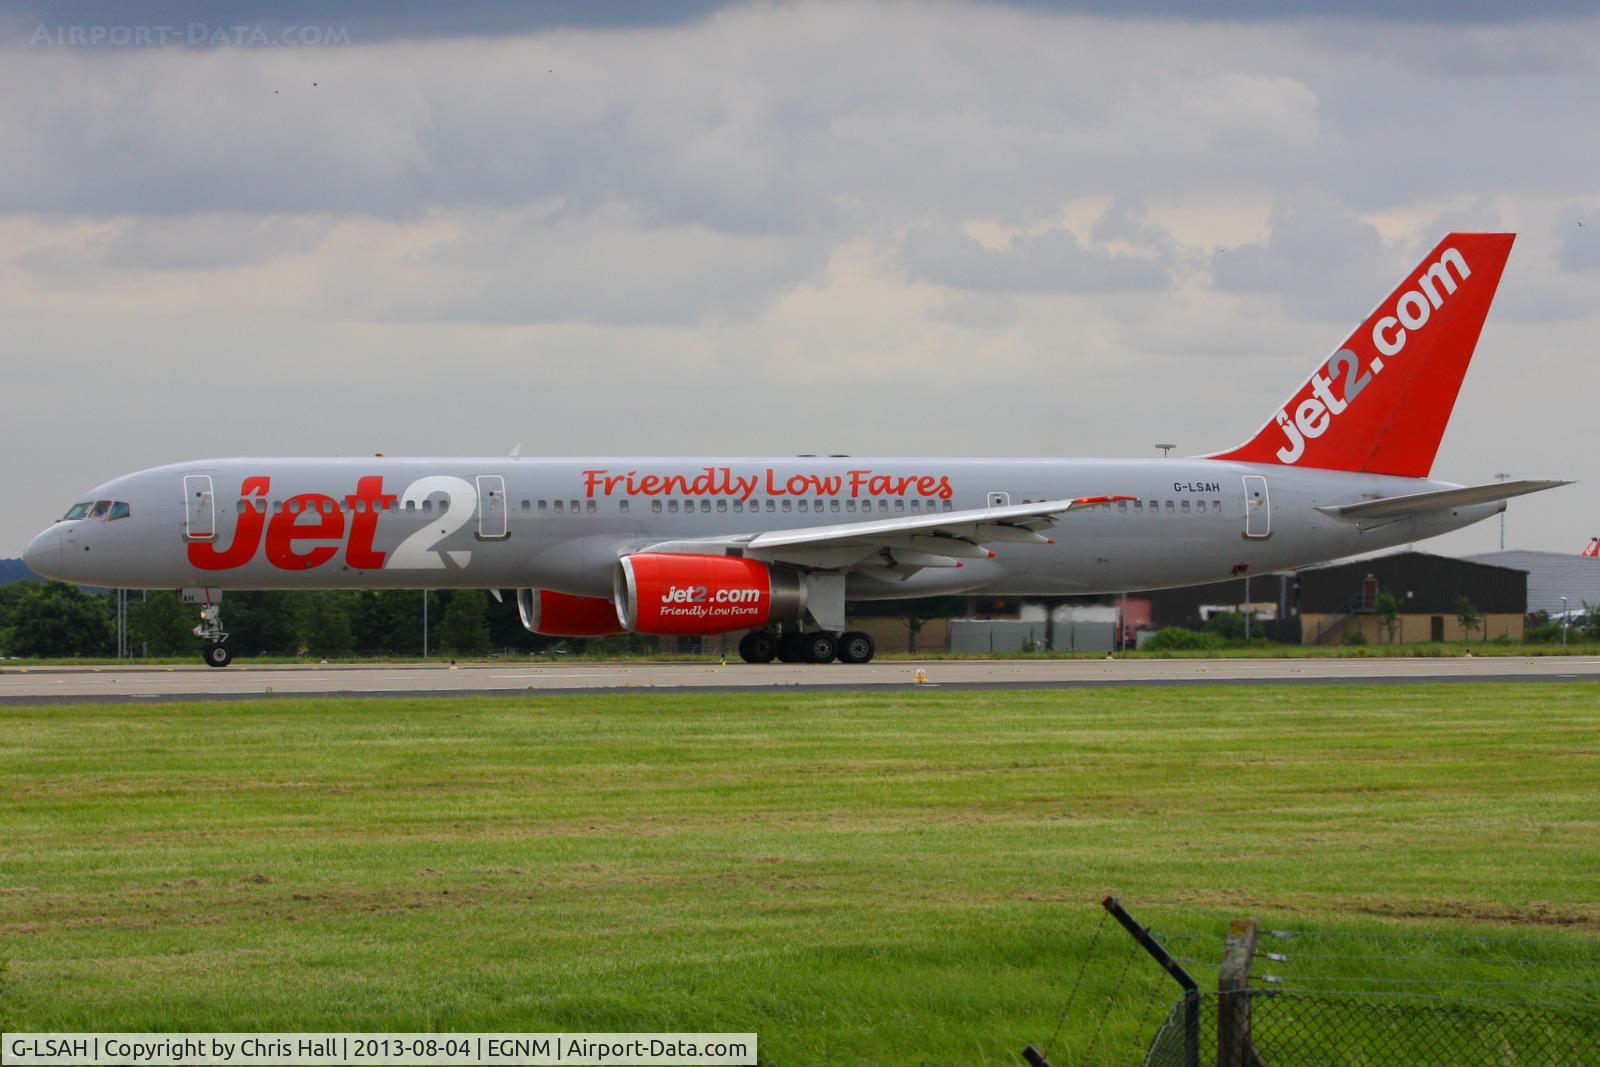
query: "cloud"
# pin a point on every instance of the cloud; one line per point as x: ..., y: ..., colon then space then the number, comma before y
x: 1318, y: 255
x: 1052, y: 261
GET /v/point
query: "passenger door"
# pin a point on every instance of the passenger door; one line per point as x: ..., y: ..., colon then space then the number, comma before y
x: 199, y: 508
x: 492, y: 524
x: 1257, y: 507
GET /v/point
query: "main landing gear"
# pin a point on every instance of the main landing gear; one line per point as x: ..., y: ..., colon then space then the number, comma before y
x: 815, y: 646
x: 210, y: 630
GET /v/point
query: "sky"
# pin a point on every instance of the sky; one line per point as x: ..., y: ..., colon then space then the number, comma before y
x: 944, y: 228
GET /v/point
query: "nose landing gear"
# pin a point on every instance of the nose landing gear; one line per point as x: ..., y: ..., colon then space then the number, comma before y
x: 210, y: 630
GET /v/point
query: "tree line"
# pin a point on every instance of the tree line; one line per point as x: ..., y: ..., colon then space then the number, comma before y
x: 52, y: 619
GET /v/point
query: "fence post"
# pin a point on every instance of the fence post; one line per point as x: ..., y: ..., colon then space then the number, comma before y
x: 1191, y: 988
x: 1234, y: 1048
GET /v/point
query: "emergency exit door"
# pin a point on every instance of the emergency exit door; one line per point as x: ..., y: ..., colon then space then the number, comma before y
x: 492, y: 508
x: 1257, y: 508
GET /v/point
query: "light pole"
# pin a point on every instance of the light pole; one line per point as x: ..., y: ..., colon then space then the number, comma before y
x: 424, y: 624
x: 1502, y: 476
x: 1564, y: 622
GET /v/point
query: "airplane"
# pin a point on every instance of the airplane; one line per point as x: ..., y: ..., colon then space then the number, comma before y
x: 778, y: 547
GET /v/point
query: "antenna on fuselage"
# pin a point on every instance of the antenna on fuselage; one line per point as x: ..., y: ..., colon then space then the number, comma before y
x: 1166, y: 450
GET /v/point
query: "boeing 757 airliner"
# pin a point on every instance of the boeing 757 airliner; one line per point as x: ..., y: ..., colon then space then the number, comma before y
x: 717, y: 545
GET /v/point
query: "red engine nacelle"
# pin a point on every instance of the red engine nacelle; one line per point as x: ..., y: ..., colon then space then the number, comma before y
x: 663, y: 593
x: 553, y: 614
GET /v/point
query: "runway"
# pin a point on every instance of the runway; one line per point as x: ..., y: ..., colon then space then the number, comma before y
x: 36, y: 685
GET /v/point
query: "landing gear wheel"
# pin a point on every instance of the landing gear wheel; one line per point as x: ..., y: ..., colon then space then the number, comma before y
x: 791, y: 648
x: 217, y: 655
x: 758, y: 646
x: 856, y: 647
x: 820, y: 647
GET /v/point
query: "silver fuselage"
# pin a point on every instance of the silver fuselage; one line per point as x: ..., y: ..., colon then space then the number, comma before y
x: 562, y: 524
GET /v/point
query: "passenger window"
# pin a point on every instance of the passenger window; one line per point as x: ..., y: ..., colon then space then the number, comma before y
x: 427, y: 507
x: 738, y: 505
x: 672, y: 505
x: 527, y: 505
x: 833, y: 505
x: 622, y: 505
x: 771, y: 506
x: 850, y: 505
x: 1216, y: 505
x: 655, y: 505
x: 1200, y: 506
x: 899, y: 505
x: 544, y: 505
x: 1155, y: 507
x: 119, y: 510
x: 1169, y: 505
x: 1185, y: 505
x: 722, y: 505
x: 589, y: 505
x: 802, y: 505
x: 1122, y: 505
x: 788, y: 505
x: 243, y: 504
x: 561, y: 508
x: 574, y: 507
x: 916, y: 505
x: 705, y: 505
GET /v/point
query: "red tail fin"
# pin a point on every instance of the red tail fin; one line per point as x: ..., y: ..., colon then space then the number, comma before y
x: 1594, y: 547
x: 1380, y: 403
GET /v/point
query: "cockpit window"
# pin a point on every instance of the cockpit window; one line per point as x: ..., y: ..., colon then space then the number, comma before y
x: 119, y: 510
x: 77, y: 511
x: 100, y: 509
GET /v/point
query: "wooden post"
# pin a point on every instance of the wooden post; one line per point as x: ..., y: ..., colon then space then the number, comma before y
x: 1234, y: 1048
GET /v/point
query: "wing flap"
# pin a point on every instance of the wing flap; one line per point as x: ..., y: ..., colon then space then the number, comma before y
x: 1390, y: 507
x: 944, y: 536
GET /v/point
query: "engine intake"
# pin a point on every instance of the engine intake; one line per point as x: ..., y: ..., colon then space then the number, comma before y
x: 667, y: 593
x: 553, y: 614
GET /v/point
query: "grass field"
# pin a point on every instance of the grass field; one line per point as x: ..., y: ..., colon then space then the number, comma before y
x: 905, y: 877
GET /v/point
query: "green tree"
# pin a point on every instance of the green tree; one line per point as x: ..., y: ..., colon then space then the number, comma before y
x: 1468, y: 615
x: 163, y: 624
x: 324, y: 625
x: 1388, y: 608
x: 263, y: 622
x: 464, y: 629
x: 388, y: 621
x: 55, y: 619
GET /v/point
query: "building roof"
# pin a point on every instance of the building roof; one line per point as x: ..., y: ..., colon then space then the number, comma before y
x: 1551, y: 576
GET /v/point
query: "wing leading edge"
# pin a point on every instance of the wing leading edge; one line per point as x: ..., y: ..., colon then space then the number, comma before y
x: 1390, y: 507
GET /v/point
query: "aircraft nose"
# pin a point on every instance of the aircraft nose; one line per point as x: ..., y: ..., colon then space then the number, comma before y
x: 43, y: 554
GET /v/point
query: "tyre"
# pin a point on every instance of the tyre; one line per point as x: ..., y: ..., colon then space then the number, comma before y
x: 856, y: 647
x: 820, y: 647
x: 758, y: 646
x: 217, y: 655
x: 791, y: 648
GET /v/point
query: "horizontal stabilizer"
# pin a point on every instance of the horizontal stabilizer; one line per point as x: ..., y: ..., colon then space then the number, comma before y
x: 1390, y: 507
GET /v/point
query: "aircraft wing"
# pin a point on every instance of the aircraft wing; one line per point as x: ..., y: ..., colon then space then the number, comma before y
x: 1390, y: 507
x: 902, y: 545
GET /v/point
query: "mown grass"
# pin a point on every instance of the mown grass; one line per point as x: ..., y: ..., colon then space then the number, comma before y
x: 860, y: 878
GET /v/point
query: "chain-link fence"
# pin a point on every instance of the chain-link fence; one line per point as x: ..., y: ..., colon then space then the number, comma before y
x: 1280, y: 1029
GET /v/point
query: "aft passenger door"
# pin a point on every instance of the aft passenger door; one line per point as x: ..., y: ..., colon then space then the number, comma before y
x: 492, y: 508
x: 199, y: 508
x: 1257, y: 507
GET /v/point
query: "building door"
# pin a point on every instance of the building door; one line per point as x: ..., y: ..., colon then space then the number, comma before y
x: 199, y: 508
x: 492, y: 508
x: 1437, y: 633
x: 1257, y: 508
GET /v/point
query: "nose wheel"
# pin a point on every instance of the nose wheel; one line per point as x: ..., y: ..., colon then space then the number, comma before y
x: 210, y: 630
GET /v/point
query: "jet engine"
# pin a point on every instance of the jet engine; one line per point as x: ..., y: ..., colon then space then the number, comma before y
x: 666, y: 593
x: 544, y: 611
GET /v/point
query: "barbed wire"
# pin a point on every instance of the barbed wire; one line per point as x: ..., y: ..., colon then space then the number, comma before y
x: 1076, y: 982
